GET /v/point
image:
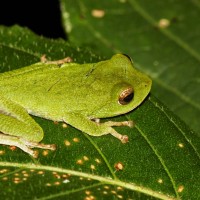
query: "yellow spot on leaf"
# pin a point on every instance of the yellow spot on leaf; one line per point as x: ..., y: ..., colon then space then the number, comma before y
x: 120, y: 196
x: 113, y: 192
x: 118, y: 166
x: 97, y: 160
x: 16, y: 174
x: 3, y: 171
x: 65, y: 175
x: 5, y: 178
x: 98, y: 13
x: 26, y: 175
x: 181, y: 145
x: 2, y: 152
x: 180, y: 188
x: 57, y: 183
x: 64, y: 125
x: 85, y: 158
x: 57, y: 176
x: 119, y: 188
x: 79, y: 162
x: 16, y: 181
x: 160, y: 180
x: 87, y: 192
x: 163, y: 23
x: 92, y: 167
x: 40, y: 172
x: 76, y: 140
x: 106, y: 187
x: 45, y: 152
x: 67, y: 143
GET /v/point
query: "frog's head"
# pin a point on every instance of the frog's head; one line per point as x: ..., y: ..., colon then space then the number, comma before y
x: 127, y: 87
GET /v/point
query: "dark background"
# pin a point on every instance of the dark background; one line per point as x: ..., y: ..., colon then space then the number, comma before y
x: 42, y: 17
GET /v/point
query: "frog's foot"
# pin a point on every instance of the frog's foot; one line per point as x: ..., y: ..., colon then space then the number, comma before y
x: 24, y: 145
x: 58, y: 62
x: 123, y: 138
x: 106, y: 128
x: 39, y: 145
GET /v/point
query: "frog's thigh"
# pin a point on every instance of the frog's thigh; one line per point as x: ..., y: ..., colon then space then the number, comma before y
x: 15, y: 121
x: 12, y: 126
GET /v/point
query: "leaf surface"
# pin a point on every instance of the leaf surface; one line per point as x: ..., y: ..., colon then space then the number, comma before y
x: 160, y: 161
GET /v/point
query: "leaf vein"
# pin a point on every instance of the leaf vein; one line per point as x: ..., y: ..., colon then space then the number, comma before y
x: 165, y: 32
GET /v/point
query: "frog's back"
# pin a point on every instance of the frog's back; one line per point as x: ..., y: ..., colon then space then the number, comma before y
x: 39, y: 90
x: 36, y: 76
x: 93, y: 90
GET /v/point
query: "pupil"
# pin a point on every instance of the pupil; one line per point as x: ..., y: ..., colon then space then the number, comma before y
x: 128, y: 98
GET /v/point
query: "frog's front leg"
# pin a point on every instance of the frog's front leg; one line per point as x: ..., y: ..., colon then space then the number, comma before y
x: 43, y: 59
x: 19, y: 129
x: 94, y: 127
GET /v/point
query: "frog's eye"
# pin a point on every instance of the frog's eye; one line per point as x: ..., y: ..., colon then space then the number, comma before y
x: 126, y: 96
x: 128, y: 57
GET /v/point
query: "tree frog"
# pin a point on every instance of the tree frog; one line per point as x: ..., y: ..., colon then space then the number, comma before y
x: 77, y: 94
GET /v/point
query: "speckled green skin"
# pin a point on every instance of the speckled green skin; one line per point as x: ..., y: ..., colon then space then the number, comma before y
x: 72, y: 93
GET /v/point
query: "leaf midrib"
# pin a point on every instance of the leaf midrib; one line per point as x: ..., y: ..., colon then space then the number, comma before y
x: 105, y: 180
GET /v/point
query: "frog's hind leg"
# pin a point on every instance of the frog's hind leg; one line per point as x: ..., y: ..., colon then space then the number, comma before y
x: 15, y: 141
x: 18, y: 128
x: 15, y: 133
x: 16, y: 121
x: 23, y: 145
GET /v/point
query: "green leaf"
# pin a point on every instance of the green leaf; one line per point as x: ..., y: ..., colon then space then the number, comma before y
x: 161, y: 36
x: 161, y: 160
